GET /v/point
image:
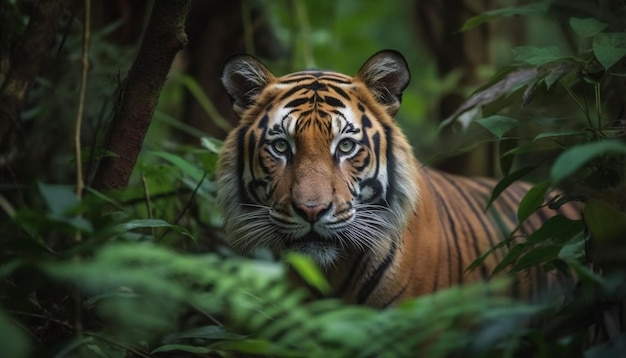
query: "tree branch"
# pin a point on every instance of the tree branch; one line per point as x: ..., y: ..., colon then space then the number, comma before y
x: 139, y: 92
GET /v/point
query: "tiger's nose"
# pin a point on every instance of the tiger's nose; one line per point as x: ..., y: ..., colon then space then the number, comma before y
x: 310, y: 213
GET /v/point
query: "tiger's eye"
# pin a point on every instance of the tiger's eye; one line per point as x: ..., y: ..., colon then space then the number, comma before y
x: 280, y: 146
x: 346, y: 146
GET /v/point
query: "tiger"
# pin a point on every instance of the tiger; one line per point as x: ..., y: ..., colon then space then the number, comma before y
x: 317, y: 165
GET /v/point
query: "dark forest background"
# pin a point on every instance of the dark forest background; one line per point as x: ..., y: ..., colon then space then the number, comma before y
x: 111, y: 121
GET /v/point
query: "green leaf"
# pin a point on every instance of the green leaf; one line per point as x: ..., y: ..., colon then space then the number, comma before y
x: 511, y: 256
x: 606, y: 223
x: 13, y: 341
x: 609, y: 48
x: 555, y: 72
x: 537, y: 56
x: 182, y: 164
x: 148, y: 223
x: 555, y: 134
x: 539, y: 8
x: 557, y: 229
x: 178, y: 124
x: 309, y: 271
x: 205, y: 102
x: 536, y: 256
x: 141, y: 223
x: 574, y: 158
x: 507, y: 181
x: 182, y: 347
x: 534, y: 199
x: 498, y: 125
x: 59, y: 198
x: 211, y: 144
x: 586, y: 27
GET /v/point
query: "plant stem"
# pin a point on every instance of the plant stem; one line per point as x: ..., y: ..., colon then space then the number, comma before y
x: 80, y: 182
x: 598, y: 99
x: 144, y: 183
x: 578, y: 102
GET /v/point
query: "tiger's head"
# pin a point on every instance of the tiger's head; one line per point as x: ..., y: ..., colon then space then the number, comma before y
x: 317, y: 164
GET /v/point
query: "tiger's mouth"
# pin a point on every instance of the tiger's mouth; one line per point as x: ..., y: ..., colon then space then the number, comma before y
x: 308, y: 242
x: 324, y: 251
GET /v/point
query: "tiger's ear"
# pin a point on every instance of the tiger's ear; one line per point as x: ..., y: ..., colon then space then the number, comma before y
x: 243, y: 78
x: 386, y: 74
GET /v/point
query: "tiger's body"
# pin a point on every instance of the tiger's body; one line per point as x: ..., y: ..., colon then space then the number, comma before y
x: 318, y: 165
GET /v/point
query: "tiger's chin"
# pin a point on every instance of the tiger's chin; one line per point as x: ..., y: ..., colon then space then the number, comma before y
x: 322, y: 251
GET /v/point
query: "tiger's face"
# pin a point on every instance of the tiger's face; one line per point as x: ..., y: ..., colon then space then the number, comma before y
x: 317, y: 164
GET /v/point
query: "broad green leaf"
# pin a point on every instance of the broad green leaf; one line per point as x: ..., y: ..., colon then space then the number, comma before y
x: 555, y: 134
x: 481, y: 259
x: 13, y: 340
x: 539, y: 8
x: 183, y: 348
x: 558, y: 229
x: 535, y: 256
x: 534, y: 199
x: 510, y: 258
x: 148, y: 223
x: 309, y: 271
x: 537, y: 56
x: 507, y: 181
x: 558, y: 71
x: 59, y: 198
x: 198, y: 93
x: 211, y: 144
x: 609, y: 48
x: 586, y: 27
x: 574, y: 158
x: 605, y: 222
x: 498, y: 125
x: 586, y: 275
x: 575, y: 249
x: 178, y: 124
x: 141, y: 223
x: 182, y: 164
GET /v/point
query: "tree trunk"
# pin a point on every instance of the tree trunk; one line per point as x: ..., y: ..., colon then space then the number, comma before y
x: 138, y: 94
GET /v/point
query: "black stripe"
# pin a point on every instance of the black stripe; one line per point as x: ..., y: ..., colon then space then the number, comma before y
x: 297, y: 102
x: 393, y: 298
x: 442, y: 203
x: 291, y: 92
x: 391, y: 165
x: 480, y: 217
x: 480, y: 197
x: 341, y: 291
x: 332, y: 101
x: 340, y: 92
x: 372, y: 281
x: 376, y: 150
x: 241, y: 139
